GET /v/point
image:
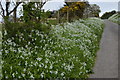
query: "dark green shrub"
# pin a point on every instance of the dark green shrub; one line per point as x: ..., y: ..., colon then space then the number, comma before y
x: 107, y: 14
x: 14, y: 29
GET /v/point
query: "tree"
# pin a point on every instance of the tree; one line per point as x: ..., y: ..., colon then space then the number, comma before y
x: 33, y: 11
x: 6, y: 12
x: 92, y: 10
x: 95, y: 10
x: 73, y: 10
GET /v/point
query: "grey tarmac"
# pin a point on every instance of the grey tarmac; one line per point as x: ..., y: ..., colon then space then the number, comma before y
x: 106, y: 65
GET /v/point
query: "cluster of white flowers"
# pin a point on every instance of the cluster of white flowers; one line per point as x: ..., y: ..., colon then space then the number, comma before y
x: 68, y: 50
x: 115, y: 18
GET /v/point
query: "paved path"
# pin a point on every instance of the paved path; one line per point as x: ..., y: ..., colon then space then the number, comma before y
x: 107, y: 57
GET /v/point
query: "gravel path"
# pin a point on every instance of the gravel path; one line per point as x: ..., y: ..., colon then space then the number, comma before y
x: 107, y: 57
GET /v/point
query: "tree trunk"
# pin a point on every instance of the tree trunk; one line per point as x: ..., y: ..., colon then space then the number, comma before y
x: 67, y: 15
x: 15, y: 15
x: 7, y: 11
x: 58, y: 16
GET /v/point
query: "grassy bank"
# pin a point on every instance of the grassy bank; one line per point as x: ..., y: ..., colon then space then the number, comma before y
x: 115, y: 18
x: 68, y: 51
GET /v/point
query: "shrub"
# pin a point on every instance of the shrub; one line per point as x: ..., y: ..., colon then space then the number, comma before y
x: 24, y: 28
x: 68, y: 51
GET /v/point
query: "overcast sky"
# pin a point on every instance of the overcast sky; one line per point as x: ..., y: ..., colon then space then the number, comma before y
x: 105, y: 5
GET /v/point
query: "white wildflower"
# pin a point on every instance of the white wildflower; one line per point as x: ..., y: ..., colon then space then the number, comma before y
x: 39, y: 59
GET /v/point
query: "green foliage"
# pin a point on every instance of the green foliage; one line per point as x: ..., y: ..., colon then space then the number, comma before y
x: 68, y: 51
x: 24, y: 28
x: 33, y: 13
x: 95, y: 9
x: 108, y: 14
x: 52, y: 22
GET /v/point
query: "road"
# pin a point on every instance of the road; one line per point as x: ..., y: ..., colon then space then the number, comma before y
x: 106, y: 65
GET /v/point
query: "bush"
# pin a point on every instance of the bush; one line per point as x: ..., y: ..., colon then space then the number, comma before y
x: 115, y: 18
x: 68, y: 51
x: 24, y: 28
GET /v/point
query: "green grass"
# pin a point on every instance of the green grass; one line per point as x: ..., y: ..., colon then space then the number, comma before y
x: 53, y: 22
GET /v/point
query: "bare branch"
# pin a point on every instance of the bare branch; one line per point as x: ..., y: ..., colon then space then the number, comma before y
x: 7, y: 8
x: 3, y: 11
x: 18, y: 3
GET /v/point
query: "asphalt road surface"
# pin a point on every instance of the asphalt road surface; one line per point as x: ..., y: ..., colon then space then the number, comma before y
x: 106, y: 65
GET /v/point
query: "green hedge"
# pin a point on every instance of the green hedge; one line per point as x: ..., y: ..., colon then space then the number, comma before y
x: 68, y: 51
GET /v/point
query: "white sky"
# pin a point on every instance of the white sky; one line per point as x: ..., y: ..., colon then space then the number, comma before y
x: 54, y: 5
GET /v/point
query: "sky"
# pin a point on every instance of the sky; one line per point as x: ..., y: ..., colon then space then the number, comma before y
x: 105, y: 5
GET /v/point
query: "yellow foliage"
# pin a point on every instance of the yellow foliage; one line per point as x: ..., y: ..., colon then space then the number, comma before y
x: 66, y: 7
x: 70, y: 9
x: 78, y: 3
x: 73, y: 7
x: 76, y: 8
